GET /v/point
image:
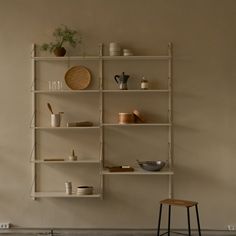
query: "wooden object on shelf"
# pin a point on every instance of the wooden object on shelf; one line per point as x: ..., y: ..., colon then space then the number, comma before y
x: 126, y: 118
x: 80, y: 124
x: 78, y: 77
x: 138, y: 117
x: 53, y: 159
x: 120, y: 169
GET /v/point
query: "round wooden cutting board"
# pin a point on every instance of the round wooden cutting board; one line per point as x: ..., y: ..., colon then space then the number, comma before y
x: 78, y: 77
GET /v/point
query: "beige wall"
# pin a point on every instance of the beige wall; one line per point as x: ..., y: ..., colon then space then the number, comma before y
x: 203, y: 34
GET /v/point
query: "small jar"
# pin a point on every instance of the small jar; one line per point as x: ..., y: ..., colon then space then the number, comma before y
x: 144, y: 83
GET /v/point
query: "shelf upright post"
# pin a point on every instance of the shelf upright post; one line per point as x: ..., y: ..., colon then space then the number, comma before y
x: 33, y: 54
x: 101, y: 118
x: 170, y: 118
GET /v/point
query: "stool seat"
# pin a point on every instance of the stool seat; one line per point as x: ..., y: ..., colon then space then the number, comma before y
x: 177, y: 202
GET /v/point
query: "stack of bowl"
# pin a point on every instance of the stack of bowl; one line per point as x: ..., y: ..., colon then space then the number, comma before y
x: 84, y: 190
x: 115, y: 49
x: 127, y: 52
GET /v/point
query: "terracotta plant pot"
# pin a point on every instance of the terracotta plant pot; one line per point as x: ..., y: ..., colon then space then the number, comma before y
x: 60, y: 52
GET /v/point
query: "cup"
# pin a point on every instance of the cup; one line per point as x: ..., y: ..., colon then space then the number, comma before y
x: 54, y: 85
x: 68, y: 186
x: 55, y: 120
x: 114, y: 46
x: 59, y: 85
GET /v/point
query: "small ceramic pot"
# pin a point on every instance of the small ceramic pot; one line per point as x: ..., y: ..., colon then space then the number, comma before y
x: 60, y: 52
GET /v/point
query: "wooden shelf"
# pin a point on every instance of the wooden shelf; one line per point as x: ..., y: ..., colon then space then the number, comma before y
x: 64, y: 91
x: 67, y: 91
x: 66, y: 128
x: 72, y: 58
x: 62, y: 195
x: 137, y: 124
x: 140, y: 172
x: 67, y: 162
x: 136, y: 58
x: 136, y: 91
x: 105, y: 58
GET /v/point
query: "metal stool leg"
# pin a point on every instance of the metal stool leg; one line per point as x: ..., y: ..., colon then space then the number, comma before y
x: 198, y: 221
x: 189, y: 229
x: 159, y: 221
x: 169, y: 215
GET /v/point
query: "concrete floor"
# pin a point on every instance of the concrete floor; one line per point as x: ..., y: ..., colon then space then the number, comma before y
x: 100, y: 232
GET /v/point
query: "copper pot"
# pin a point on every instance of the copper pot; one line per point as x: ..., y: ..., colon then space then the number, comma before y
x: 126, y: 118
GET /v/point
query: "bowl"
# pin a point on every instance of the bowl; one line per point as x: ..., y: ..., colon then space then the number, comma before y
x: 84, y: 190
x: 151, y: 165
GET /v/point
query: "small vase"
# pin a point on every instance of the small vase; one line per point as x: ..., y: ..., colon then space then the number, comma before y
x: 60, y: 51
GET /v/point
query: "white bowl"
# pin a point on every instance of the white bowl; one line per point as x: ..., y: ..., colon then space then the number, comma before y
x: 115, y: 53
x: 128, y: 54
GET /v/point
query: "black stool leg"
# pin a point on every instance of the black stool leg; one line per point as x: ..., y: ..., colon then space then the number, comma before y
x: 198, y: 221
x: 169, y: 214
x: 159, y: 221
x: 189, y: 229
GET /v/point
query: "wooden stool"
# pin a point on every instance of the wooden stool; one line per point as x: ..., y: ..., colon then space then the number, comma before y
x: 183, y: 203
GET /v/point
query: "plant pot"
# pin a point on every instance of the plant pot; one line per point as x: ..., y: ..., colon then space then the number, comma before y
x: 59, y: 52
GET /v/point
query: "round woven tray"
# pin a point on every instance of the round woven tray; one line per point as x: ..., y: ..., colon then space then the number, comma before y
x: 78, y: 77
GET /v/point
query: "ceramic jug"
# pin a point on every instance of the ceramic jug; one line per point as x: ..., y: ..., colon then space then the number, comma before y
x: 121, y: 80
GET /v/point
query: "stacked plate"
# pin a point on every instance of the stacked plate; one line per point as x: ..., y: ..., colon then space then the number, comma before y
x: 127, y: 52
x: 84, y: 190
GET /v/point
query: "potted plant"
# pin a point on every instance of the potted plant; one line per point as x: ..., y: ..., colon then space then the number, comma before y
x: 62, y: 36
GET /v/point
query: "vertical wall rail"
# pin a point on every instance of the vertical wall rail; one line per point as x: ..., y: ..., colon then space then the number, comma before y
x: 33, y: 54
x: 170, y: 118
x: 101, y: 158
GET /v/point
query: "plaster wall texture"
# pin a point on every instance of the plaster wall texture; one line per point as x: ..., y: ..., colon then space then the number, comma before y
x: 203, y: 35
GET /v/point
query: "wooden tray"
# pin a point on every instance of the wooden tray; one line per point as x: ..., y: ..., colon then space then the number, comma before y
x: 120, y: 169
x: 78, y: 77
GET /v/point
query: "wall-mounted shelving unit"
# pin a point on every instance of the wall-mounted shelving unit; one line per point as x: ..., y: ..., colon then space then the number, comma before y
x: 102, y: 124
